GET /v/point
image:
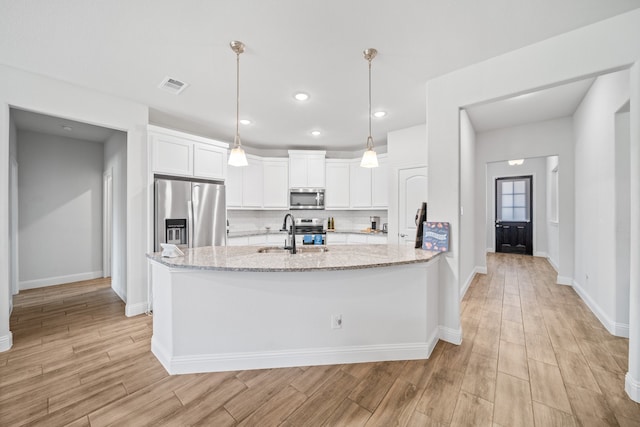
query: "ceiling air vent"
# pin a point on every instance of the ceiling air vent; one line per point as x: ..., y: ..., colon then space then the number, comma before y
x: 172, y: 85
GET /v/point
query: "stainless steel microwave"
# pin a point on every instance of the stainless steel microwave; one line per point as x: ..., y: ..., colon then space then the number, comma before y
x: 306, y: 198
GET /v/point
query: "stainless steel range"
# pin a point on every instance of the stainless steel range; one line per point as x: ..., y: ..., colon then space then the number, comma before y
x: 312, y: 231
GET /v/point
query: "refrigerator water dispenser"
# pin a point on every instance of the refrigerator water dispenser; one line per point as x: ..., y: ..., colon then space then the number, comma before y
x: 176, y: 231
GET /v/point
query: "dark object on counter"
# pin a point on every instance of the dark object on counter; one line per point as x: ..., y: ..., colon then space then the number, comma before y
x: 421, y: 218
x: 292, y: 232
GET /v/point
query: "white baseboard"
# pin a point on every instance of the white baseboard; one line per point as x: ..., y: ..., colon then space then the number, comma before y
x: 131, y: 310
x: 553, y: 264
x: 541, y: 254
x: 564, y: 280
x: 6, y: 341
x: 614, y: 328
x: 453, y: 336
x: 59, y: 280
x: 467, y: 283
x: 288, y: 358
x: 632, y: 387
x: 491, y: 250
x: 120, y: 293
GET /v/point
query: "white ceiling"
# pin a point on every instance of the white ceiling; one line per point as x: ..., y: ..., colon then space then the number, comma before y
x: 27, y: 120
x: 126, y: 48
x: 545, y: 104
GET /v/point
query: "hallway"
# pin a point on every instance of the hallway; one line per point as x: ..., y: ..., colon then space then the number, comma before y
x: 532, y: 353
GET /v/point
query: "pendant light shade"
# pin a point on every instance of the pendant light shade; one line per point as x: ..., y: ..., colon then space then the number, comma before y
x: 237, y: 156
x: 369, y: 158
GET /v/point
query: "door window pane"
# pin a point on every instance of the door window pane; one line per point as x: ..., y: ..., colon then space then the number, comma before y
x: 507, y: 200
x: 507, y: 214
x: 507, y: 187
x: 519, y: 187
x: 519, y: 214
x: 519, y: 201
x: 513, y: 198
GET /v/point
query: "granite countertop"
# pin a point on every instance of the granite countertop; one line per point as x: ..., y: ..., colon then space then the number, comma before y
x: 247, y: 258
x: 272, y: 231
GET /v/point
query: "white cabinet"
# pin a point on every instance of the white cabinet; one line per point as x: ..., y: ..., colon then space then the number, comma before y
x: 182, y: 154
x: 244, y: 184
x: 336, y: 239
x: 359, y: 185
x: 337, y: 184
x: 252, y: 183
x: 380, y: 183
x: 209, y: 161
x: 306, y: 169
x: 377, y: 239
x: 237, y: 241
x: 275, y: 183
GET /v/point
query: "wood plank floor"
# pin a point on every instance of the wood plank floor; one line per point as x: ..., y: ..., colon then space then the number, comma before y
x: 532, y: 354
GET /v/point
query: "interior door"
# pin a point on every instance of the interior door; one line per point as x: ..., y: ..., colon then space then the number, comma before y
x: 514, y: 213
x: 412, y: 191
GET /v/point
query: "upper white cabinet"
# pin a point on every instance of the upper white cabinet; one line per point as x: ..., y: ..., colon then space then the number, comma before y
x: 306, y: 169
x: 380, y: 183
x: 337, y: 184
x: 244, y: 184
x: 369, y: 187
x: 275, y: 183
x: 360, y: 185
x: 178, y: 153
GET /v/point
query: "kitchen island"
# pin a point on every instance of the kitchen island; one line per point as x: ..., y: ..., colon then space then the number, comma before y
x: 232, y: 308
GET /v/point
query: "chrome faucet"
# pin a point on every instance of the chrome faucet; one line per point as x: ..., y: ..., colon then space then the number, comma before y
x: 292, y: 233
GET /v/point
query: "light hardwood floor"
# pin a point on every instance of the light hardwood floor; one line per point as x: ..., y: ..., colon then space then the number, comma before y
x: 532, y: 354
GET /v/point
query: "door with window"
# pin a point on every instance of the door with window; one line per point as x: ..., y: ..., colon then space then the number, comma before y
x: 514, y: 213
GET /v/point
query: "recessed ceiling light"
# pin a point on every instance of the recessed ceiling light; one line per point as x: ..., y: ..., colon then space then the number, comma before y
x: 67, y: 128
x: 315, y: 132
x: 301, y: 96
x: 379, y: 114
x: 245, y: 122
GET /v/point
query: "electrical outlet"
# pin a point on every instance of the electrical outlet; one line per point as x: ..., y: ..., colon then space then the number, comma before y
x: 336, y: 321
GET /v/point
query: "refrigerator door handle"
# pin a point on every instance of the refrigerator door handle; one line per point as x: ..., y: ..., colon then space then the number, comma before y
x: 190, y: 233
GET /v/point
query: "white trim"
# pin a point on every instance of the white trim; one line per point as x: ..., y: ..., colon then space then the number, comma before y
x: 491, y: 250
x: 564, y: 280
x: 541, y: 254
x: 632, y: 387
x: 59, y: 280
x: 453, y: 336
x: 290, y: 358
x: 555, y: 267
x: 6, y: 341
x: 614, y: 328
x: 467, y: 283
x: 131, y: 310
x: 120, y: 293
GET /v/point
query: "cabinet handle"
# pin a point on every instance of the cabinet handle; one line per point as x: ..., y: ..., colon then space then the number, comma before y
x: 403, y: 235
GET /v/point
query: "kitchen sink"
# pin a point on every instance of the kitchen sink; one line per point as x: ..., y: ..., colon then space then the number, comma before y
x: 300, y: 250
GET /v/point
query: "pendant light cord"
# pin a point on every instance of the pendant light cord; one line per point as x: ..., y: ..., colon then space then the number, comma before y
x: 370, y: 139
x: 237, y: 141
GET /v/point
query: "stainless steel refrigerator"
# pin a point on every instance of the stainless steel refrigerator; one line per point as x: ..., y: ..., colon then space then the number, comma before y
x: 189, y: 212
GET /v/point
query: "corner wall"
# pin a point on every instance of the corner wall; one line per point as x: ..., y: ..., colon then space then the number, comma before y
x: 595, y: 197
x: 468, y: 208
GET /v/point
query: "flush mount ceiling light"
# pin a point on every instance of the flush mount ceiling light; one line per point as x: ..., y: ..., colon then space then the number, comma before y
x: 237, y: 156
x: 67, y: 128
x: 516, y: 162
x: 315, y: 132
x: 379, y: 114
x: 301, y: 96
x: 369, y: 158
x: 245, y: 122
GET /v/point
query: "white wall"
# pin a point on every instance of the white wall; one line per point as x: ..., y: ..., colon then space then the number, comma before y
x: 553, y: 232
x: 60, y: 209
x: 595, y: 197
x: 623, y: 218
x: 530, y: 141
x: 44, y: 95
x: 405, y: 148
x: 467, y: 203
x: 537, y: 167
x: 115, y: 160
x: 13, y: 210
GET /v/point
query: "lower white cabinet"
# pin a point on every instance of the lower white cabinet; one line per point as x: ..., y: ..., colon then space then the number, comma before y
x: 336, y: 239
x: 356, y: 239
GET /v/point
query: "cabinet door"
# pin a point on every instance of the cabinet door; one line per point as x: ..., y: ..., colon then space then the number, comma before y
x: 297, y: 171
x: 237, y: 241
x: 234, y: 186
x: 360, y: 185
x: 337, y: 184
x: 357, y: 239
x: 209, y: 161
x: 377, y: 240
x: 336, y: 239
x: 380, y: 184
x: 252, y: 184
x: 172, y: 155
x: 315, y: 171
x: 275, y: 188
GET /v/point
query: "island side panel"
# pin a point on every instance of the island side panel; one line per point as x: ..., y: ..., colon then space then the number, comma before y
x: 162, y: 338
x: 229, y: 320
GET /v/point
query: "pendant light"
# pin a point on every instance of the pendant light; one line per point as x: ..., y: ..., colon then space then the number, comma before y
x: 237, y: 156
x: 369, y: 158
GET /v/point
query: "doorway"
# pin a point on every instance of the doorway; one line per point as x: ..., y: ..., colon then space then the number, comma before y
x: 412, y: 191
x: 514, y: 213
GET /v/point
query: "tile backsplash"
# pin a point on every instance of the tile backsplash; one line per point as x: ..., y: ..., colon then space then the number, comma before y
x: 251, y: 220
